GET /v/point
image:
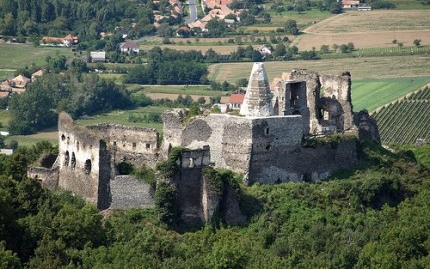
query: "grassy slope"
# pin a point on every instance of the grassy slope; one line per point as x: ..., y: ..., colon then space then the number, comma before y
x: 372, y: 93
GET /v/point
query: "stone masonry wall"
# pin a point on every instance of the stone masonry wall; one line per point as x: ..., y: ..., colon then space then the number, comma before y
x: 309, y: 164
x: 271, y: 137
x: 130, y: 192
x: 339, y: 88
x: 47, y: 176
x: 229, y: 139
x: 134, y: 144
x: 77, y: 149
x: 313, y: 94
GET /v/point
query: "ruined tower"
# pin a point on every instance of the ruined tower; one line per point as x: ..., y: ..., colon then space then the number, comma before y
x: 257, y: 102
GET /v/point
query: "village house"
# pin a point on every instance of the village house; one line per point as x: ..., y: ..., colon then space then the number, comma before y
x: 218, y: 10
x: 350, y: 4
x: 265, y: 50
x: 98, y: 56
x: 36, y: 74
x: 66, y: 41
x: 14, y: 85
x: 236, y: 100
x: 129, y: 47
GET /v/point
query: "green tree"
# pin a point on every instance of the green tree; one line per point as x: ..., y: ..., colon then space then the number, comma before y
x: 8, y: 259
x: 291, y: 27
x: 324, y: 48
x: 215, y: 28
x: 336, y: 7
x: 280, y: 50
x: 417, y: 42
x: 32, y: 110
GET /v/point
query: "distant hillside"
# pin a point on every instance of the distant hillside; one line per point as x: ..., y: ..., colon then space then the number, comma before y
x: 407, y: 120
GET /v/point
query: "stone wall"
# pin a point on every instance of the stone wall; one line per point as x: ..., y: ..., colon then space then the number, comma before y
x: 313, y: 87
x: 47, y: 176
x: 130, y: 192
x: 239, y: 143
x: 308, y: 164
x: 84, y: 164
x: 229, y: 138
x: 339, y: 88
x: 291, y: 99
x: 134, y: 144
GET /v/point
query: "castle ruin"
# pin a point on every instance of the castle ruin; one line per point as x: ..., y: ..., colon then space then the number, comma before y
x: 268, y: 142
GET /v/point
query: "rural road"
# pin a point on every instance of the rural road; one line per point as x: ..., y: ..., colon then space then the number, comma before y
x: 193, y: 12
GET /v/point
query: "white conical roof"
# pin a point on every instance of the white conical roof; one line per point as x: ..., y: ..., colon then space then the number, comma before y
x: 257, y: 102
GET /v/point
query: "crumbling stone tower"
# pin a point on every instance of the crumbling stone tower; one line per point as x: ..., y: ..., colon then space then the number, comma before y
x: 331, y: 112
x: 85, y: 162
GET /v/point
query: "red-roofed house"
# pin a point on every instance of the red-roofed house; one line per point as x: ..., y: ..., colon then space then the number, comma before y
x: 129, y: 47
x: 17, y: 85
x: 60, y: 41
x: 36, y: 74
x: 4, y: 94
x: 19, y: 82
x: 236, y: 100
x: 350, y: 3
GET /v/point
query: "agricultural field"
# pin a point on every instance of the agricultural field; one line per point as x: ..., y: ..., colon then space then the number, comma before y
x: 221, y: 48
x: 172, y: 92
x: 406, y: 120
x: 374, y: 29
x: 360, y: 68
x: 373, y: 93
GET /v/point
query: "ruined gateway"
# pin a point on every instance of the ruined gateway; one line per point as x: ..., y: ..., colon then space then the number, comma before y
x: 265, y: 143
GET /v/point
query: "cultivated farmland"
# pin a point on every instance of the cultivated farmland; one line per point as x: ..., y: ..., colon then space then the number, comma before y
x: 407, y: 120
x: 374, y: 29
x: 360, y: 68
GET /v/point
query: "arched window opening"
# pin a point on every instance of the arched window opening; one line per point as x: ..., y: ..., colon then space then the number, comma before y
x: 63, y: 137
x: 87, y: 166
x: 73, y: 160
x: 66, y: 159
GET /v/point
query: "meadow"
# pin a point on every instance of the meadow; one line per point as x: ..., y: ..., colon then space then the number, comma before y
x: 373, y: 93
x: 15, y: 56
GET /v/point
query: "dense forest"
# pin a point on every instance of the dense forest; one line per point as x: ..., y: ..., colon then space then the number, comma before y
x: 373, y: 217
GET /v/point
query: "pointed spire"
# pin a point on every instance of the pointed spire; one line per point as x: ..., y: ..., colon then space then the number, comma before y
x: 258, y: 97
